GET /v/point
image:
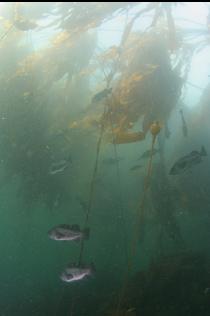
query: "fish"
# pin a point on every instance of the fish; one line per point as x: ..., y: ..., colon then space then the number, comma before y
x: 188, y: 161
x: 75, y: 272
x: 131, y: 310
x: 111, y: 161
x: 60, y: 166
x: 65, y: 232
x: 101, y: 95
x: 167, y: 131
x: 184, y: 124
x: 24, y: 24
x: 135, y: 167
x: 147, y: 153
x: 207, y: 290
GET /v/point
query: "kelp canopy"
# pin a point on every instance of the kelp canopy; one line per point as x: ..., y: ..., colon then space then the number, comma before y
x: 47, y: 93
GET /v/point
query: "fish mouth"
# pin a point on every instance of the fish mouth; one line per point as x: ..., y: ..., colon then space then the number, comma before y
x: 67, y: 277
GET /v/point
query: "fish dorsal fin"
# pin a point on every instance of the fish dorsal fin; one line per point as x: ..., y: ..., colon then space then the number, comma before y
x: 65, y: 226
x: 203, y: 151
x: 75, y: 227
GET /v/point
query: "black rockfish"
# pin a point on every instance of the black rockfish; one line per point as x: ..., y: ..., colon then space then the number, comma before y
x: 68, y: 232
x: 188, y: 161
x: 59, y: 166
x: 74, y: 272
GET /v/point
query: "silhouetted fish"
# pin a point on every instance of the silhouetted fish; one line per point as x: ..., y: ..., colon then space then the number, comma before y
x: 101, y: 95
x: 111, y: 161
x: 184, y: 124
x: 135, y: 167
x: 167, y: 131
x: 188, y: 161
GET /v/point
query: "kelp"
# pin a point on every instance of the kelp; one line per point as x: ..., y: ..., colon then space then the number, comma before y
x: 35, y: 107
x: 145, y: 83
x: 165, y: 208
x: 51, y: 101
x: 146, y: 86
x: 77, y: 18
x: 163, y: 288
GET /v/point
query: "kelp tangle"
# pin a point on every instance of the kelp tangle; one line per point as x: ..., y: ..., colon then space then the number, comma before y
x: 46, y: 93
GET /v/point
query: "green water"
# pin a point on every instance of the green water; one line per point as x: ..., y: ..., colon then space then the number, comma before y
x: 149, y: 230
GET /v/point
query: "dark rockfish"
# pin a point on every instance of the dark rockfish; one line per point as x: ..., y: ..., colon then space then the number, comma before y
x: 60, y: 166
x: 184, y: 124
x: 68, y: 232
x: 76, y: 272
x: 188, y: 161
x: 111, y: 161
x: 101, y: 95
x: 135, y: 167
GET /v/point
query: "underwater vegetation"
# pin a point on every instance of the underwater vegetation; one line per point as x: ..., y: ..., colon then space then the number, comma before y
x: 142, y: 84
x: 173, y: 284
x: 99, y: 137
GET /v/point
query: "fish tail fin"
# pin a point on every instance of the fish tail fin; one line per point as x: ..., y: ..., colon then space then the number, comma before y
x: 203, y: 151
x: 86, y: 233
